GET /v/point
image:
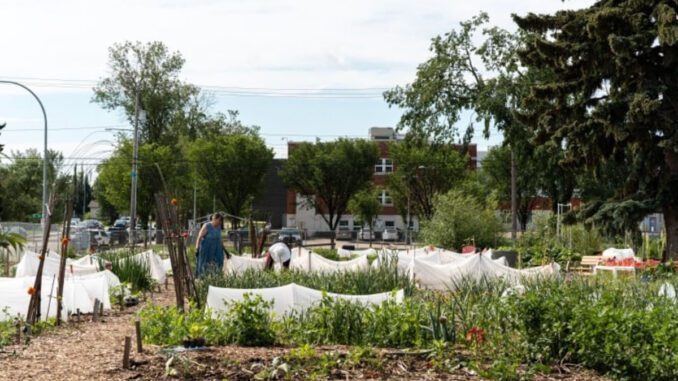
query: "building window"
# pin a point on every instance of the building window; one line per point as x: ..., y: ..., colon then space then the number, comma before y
x: 343, y: 224
x: 385, y: 199
x: 389, y: 224
x: 383, y: 166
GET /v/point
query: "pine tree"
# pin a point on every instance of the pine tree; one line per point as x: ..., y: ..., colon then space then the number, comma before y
x: 612, y: 100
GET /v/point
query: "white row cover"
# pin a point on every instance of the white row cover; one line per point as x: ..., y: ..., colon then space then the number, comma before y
x: 438, y: 256
x: 349, y: 253
x: 287, y: 299
x: 308, y: 261
x: 618, y: 254
x: 28, y: 265
x: 154, y: 263
x: 429, y: 274
x: 79, y: 293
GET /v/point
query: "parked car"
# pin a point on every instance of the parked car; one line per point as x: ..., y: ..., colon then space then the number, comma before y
x: 99, y: 237
x: 91, y: 224
x: 118, y: 232
x: 344, y: 234
x: 75, y: 222
x: 366, y: 234
x: 390, y: 234
x: 292, y: 233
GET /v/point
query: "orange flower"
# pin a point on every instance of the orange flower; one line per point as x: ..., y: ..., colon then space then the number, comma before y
x: 31, y: 290
x: 65, y: 241
x: 174, y: 201
x: 476, y: 335
x: 41, y: 257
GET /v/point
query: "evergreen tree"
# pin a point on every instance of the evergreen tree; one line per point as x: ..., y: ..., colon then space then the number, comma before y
x: 611, y: 101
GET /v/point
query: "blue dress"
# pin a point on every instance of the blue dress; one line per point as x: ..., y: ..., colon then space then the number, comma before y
x: 211, y: 256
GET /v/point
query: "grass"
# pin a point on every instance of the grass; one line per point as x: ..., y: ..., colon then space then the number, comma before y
x: 136, y: 273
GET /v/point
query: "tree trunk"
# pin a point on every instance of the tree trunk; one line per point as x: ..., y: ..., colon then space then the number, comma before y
x: 514, y: 196
x: 671, y: 226
x: 671, y: 210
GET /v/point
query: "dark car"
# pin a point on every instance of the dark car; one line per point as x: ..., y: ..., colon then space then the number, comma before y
x: 118, y: 232
x: 91, y: 224
x: 293, y: 234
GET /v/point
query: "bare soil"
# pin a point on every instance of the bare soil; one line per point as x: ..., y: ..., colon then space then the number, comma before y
x: 94, y: 350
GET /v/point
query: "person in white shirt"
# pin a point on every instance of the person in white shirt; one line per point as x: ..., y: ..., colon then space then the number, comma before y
x: 279, y: 252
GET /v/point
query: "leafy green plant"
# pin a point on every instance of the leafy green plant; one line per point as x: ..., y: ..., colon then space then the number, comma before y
x: 135, y: 272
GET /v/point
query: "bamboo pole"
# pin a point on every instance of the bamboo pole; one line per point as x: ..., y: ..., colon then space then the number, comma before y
x: 33, y: 313
x: 66, y: 234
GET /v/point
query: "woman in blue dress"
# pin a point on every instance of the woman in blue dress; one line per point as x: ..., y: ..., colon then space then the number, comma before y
x: 209, y: 248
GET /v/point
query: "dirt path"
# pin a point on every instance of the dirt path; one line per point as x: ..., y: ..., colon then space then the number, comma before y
x: 78, y: 351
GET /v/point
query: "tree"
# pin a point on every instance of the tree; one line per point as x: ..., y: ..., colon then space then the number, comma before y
x: 149, y: 73
x: 365, y: 206
x: 114, y: 181
x: 2, y: 125
x: 22, y: 181
x: 611, y: 99
x: 422, y: 171
x: 11, y: 240
x: 328, y: 174
x: 461, y: 219
x: 231, y: 166
x: 83, y: 193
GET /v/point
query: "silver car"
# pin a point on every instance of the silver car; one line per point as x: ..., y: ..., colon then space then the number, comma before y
x: 390, y: 234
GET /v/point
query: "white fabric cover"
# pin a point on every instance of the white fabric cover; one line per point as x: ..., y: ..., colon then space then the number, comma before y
x: 618, y: 254
x: 79, y: 293
x: 167, y: 265
x: 28, y: 266
x: 667, y: 290
x: 238, y: 264
x: 154, y: 263
x: 434, y: 275
x: 349, y: 253
x: 287, y: 299
x: 309, y: 261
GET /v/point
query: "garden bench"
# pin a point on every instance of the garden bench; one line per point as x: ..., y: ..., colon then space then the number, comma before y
x: 588, y: 262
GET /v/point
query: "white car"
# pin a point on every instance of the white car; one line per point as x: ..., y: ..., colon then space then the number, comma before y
x: 99, y: 237
x: 366, y: 234
x: 390, y: 234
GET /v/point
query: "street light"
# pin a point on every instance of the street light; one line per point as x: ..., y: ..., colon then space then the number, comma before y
x: 44, y: 161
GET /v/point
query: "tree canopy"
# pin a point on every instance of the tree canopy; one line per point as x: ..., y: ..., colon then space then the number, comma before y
x: 610, y: 100
x: 365, y: 206
x: 328, y: 174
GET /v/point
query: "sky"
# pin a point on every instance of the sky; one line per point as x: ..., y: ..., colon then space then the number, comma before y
x: 281, y: 63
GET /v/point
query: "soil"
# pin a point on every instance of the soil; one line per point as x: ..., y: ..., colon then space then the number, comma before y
x: 89, y: 350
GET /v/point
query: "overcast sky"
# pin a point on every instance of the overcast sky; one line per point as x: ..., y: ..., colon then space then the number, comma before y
x: 271, y: 45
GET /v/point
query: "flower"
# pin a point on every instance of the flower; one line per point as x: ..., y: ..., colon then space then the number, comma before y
x: 41, y: 257
x: 174, y: 201
x: 476, y: 335
x: 65, y: 241
x: 31, y: 290
x: 184, y: 234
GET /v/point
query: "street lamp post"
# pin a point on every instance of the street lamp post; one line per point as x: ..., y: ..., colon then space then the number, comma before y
x: 44, y: 160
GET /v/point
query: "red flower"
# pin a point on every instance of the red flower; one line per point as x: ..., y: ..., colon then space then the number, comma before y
x: 31, y: 291
x: 41, y: 257
x: 476, y: 335
x: 65, y: 241
x: 184, y: 234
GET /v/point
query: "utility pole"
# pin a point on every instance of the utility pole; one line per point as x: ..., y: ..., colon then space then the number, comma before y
x: 514, y: 198
x: 135, y: 158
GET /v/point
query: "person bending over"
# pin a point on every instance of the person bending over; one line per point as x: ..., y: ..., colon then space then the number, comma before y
x: 279, y: 252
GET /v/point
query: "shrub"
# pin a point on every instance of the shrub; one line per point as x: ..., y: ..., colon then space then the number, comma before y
x: 136, y: 273
x: 460, y: 219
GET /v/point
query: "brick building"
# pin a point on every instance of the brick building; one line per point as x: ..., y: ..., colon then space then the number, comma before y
x: 308, y: 220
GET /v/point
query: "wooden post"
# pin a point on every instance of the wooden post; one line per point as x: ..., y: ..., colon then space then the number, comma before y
x: 65, y: 233
x: 18, y: 331
x: 125, y: 356
x: 95, y: 311
x: 101, y: 309
x: 137, y: 326
x: 33, y: 314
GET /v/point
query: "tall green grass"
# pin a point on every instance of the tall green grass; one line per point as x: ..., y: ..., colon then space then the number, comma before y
x: 372, y: 281
x: 134, y: 272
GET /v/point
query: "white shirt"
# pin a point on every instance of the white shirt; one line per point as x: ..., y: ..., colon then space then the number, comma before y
x: 280, y: 253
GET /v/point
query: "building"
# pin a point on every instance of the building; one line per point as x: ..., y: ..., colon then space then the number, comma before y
x: 299, y: 215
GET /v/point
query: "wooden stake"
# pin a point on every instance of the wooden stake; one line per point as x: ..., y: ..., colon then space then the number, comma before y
x: 77, y: 311
x: 18, y: 332
x: 137, y: 326
x: 125, y: 356
x: 95, y: 311
x: 101, y: 309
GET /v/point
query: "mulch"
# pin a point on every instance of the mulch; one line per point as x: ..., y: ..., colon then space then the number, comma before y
x: 94, y: 350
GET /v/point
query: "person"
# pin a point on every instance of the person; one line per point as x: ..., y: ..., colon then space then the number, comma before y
x: 279, y: 252
x: 209, y: 248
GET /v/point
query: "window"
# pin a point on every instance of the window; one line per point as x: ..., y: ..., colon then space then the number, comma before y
x: 385, y: 199
x: 343, y: 224
x: 383, y: 166
x: 389, y: 224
